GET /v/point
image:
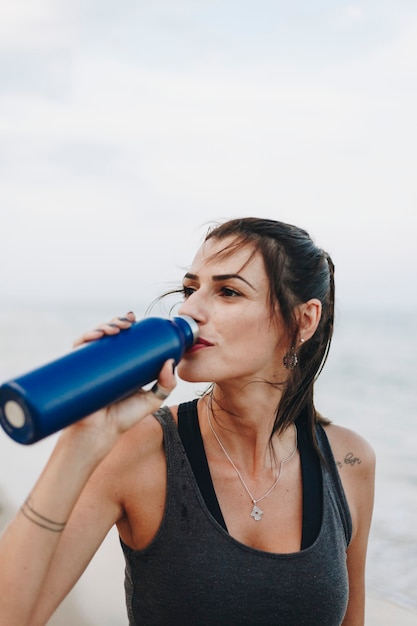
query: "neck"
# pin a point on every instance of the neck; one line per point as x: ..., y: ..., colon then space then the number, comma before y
x: 244, y: 427
x: 251, y: 408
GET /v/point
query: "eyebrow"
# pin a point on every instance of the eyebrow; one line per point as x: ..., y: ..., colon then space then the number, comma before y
x: 221, y: 278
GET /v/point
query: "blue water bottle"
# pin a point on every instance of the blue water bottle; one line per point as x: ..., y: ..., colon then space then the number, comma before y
x: 91, y: 377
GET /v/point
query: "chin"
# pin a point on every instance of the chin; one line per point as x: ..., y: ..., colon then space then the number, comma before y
x: 190, y: 374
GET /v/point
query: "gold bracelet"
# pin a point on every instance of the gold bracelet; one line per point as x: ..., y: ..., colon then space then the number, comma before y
x: 40, y: 520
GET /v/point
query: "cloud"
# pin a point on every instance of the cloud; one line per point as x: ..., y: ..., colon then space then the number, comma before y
x: 126, y: 156
x: 36, y: 25
x: 350, y: 15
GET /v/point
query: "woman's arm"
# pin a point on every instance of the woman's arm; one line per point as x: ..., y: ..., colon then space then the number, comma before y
x: 29, y: 543
x: 36, y: 544
x: 356, y: 462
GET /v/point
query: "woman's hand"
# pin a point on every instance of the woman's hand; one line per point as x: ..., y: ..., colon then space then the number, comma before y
x: 108, y: 328
x: 109, y: 423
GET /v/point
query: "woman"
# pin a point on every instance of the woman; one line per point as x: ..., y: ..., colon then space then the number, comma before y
x: 234, y: 508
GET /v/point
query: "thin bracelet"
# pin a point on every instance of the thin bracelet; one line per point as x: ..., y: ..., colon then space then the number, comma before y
x: 54, y: 530
x: 45, y: 519
x: 40, y: 520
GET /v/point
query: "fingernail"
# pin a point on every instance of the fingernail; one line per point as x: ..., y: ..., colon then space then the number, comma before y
x: 124, y: 319
x: 112, y: 325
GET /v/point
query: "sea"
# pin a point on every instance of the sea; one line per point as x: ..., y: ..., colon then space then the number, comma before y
x: 369, y: 384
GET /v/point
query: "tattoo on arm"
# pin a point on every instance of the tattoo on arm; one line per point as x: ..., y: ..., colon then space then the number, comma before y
x: 350, y: 459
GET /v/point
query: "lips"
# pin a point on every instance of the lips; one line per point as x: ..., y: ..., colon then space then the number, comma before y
x: 203, y: 342
x: 199, y: 345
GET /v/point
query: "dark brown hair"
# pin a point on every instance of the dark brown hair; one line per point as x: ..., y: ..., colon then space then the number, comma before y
x: 297, y: 270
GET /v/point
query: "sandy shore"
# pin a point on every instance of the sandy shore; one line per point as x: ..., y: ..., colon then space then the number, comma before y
x: 382, y: 613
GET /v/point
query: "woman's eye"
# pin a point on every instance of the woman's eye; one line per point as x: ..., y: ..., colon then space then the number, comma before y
x: 229, y: 293
x: 187, y: 291
x: 226, y: 292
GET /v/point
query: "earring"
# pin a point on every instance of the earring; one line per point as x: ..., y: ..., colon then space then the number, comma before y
x: 290, y: 359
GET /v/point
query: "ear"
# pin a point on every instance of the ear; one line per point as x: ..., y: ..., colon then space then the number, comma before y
x: 309, y: 314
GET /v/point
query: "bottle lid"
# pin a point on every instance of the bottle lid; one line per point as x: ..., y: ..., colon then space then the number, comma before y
x: 192, y: 324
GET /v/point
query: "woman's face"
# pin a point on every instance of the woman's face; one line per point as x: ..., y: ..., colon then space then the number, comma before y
x: 229, y: 298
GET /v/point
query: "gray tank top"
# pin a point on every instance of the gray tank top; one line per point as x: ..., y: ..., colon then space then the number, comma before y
x: 194, y: 573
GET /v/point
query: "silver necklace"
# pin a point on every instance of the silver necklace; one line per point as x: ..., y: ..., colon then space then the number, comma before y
x: 256, y: 512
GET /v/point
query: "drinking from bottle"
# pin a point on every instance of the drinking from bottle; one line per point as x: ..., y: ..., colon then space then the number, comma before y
x: 91, y: 377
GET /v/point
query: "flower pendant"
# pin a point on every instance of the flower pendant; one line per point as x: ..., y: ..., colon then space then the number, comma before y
x: 256, y: 513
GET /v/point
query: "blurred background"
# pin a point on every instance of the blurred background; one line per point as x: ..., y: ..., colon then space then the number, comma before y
x: 126, y: 129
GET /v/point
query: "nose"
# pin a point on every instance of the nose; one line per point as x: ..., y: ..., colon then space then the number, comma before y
x: 194, y: 307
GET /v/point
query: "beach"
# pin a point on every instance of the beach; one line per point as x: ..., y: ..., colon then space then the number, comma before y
x: 382, y: 613
x: 367, y: 385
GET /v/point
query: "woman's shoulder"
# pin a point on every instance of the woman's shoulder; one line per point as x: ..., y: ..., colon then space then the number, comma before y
x: 355, y: 460
x: 143, y: 439
x: 350, y: 449
x: 139, y: 451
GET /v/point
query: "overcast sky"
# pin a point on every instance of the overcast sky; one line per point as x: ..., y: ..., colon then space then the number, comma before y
x: 127, y: 126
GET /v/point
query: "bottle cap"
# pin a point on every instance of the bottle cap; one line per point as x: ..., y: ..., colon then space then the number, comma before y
x: 192, y: 324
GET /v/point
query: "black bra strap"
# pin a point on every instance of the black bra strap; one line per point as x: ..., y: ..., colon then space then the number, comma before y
x: 312, y: 486
x: 189, y: 431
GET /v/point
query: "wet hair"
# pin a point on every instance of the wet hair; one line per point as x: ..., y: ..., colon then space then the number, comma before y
x: 297, y: 271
